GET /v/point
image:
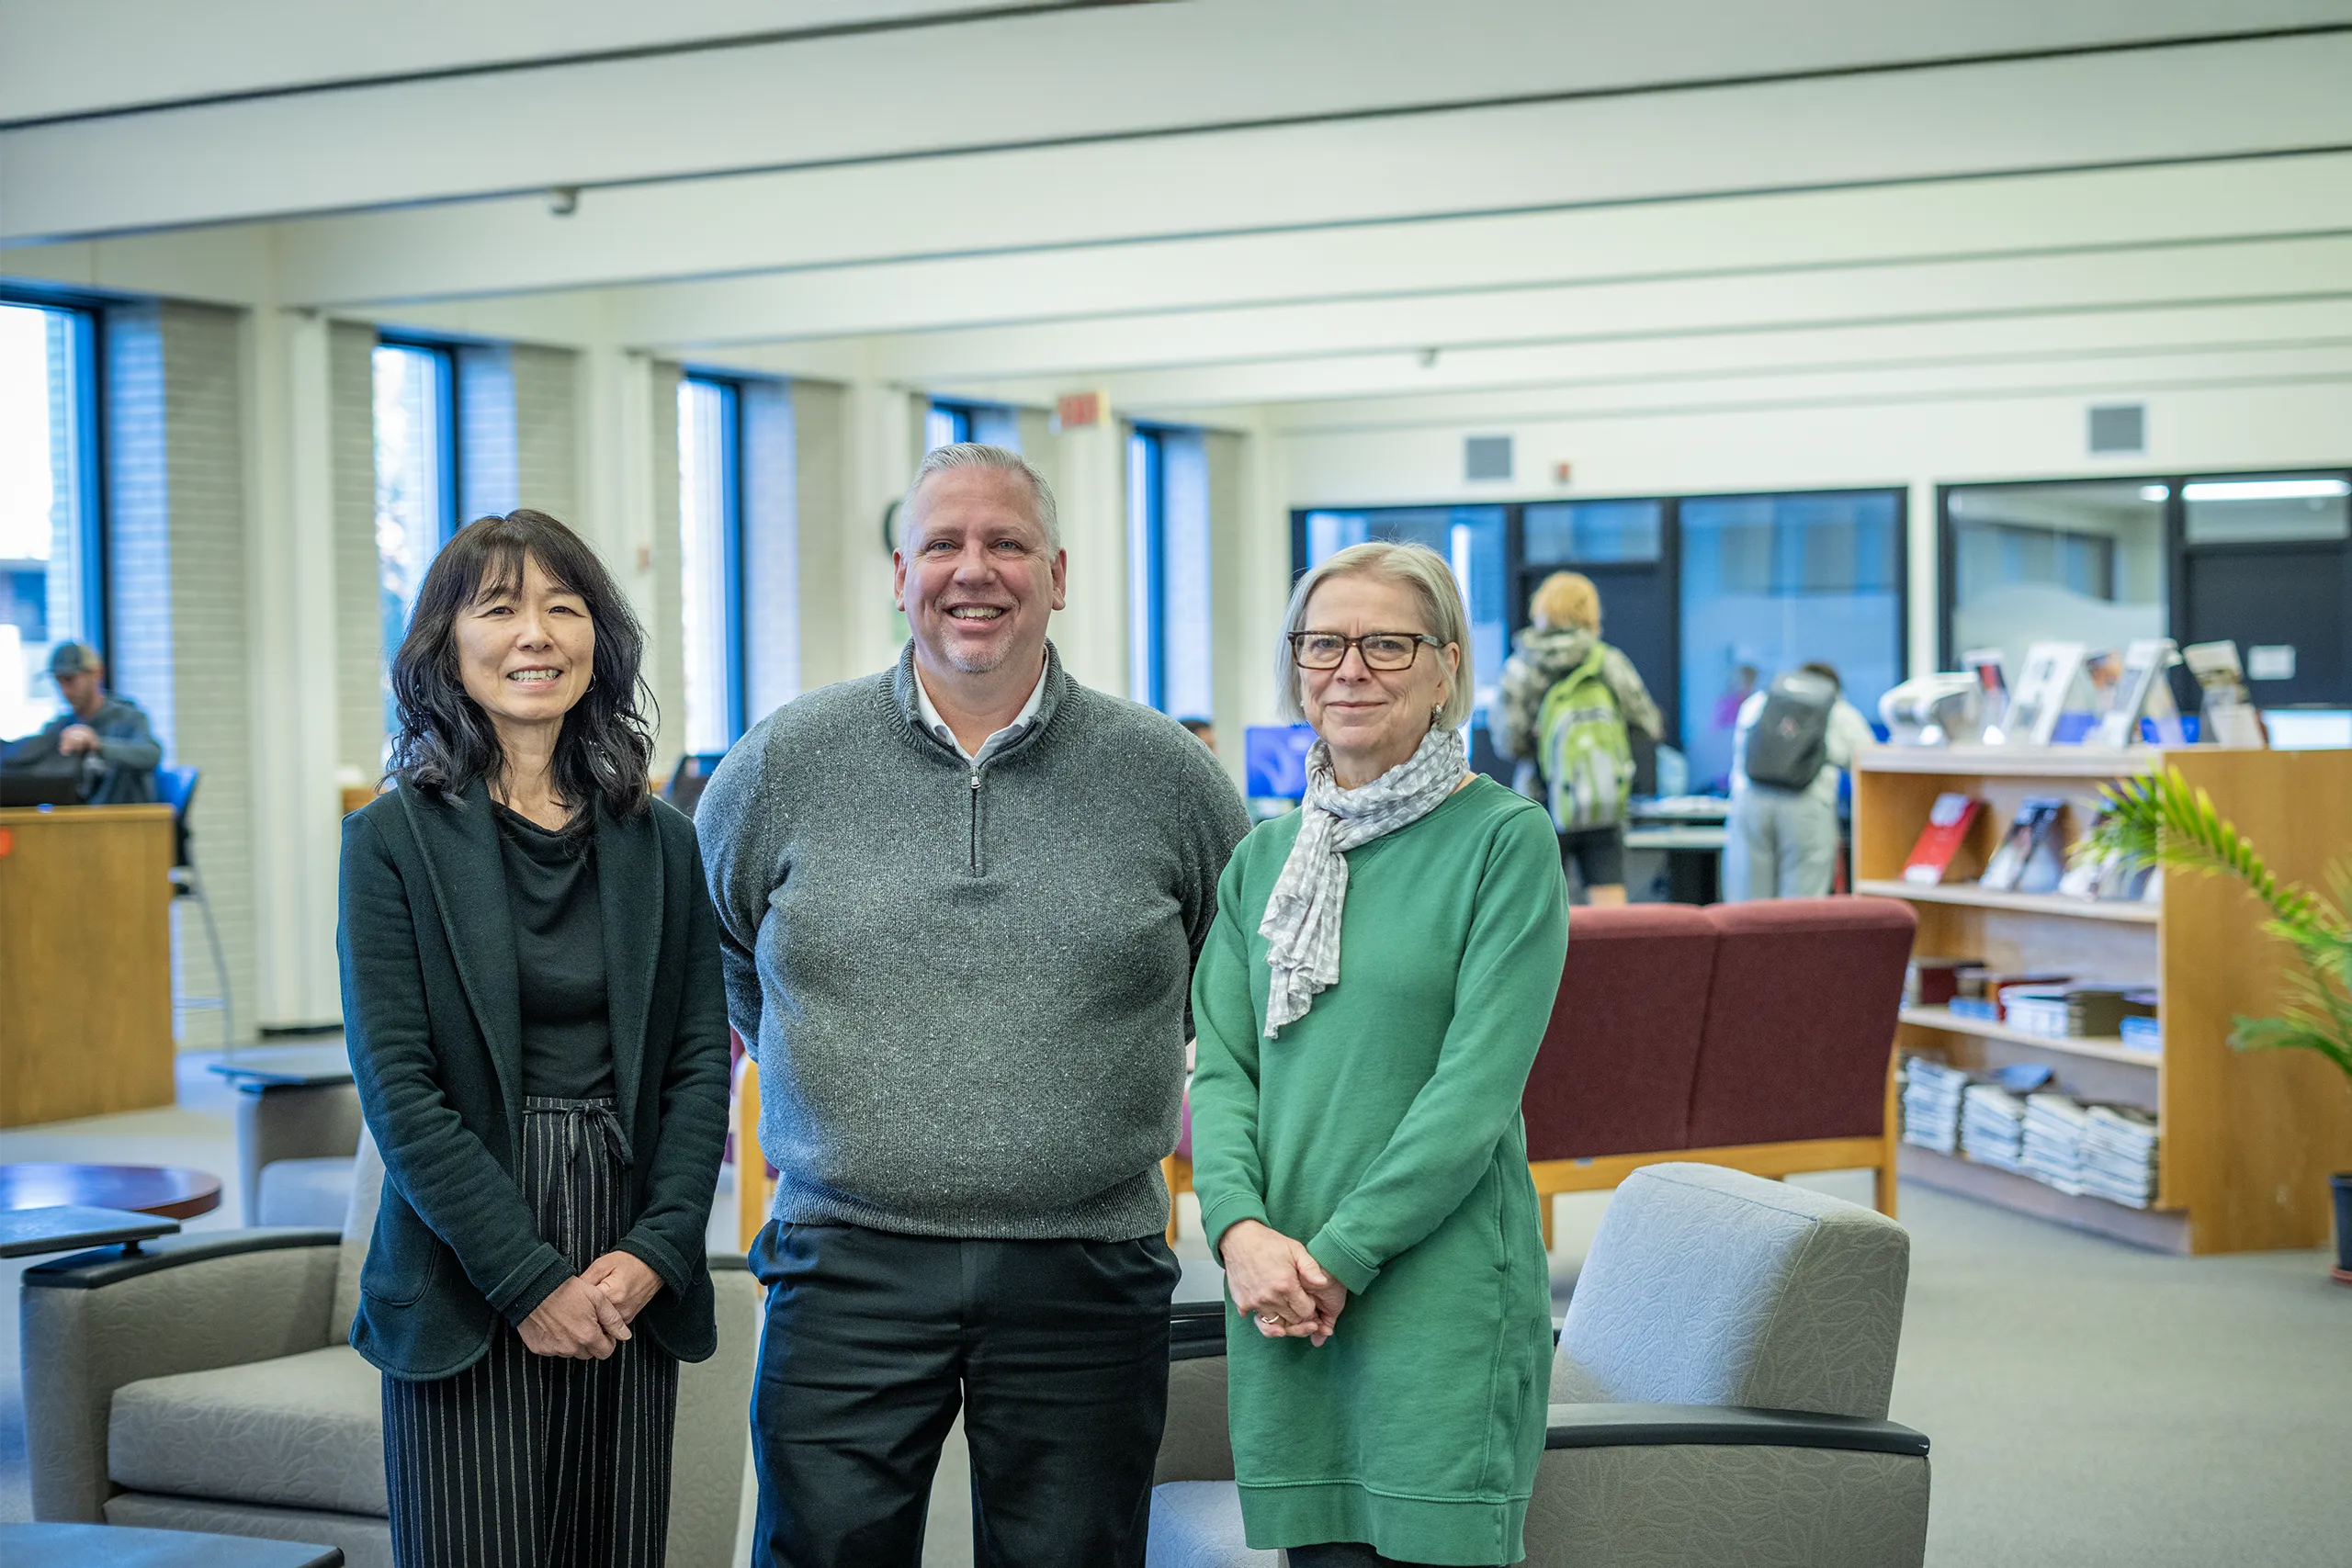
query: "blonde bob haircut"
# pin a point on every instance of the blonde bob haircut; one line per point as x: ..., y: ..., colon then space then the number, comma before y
x: 1566, y: 599
x: 1416, y: 567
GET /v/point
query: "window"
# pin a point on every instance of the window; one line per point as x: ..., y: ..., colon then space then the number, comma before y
x: 2027, y: 562
x: 1581, y: 533
x: 1168, y: 555
x: 1773, y: 581
x: 1472, y: 540
x: 945, y: 424
x: 416, y: 481
x: 52, y: 564
x: 710, y: 538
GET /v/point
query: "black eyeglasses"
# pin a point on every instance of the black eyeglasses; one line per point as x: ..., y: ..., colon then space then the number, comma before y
x: 1380, y: 650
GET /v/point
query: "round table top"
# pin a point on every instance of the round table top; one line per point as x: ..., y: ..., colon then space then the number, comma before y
x: 169, y: 1192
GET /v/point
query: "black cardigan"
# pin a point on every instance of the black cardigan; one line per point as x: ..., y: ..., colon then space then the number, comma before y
x: 434, y: 1020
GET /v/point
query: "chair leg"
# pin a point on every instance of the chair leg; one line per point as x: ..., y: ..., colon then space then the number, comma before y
x: 1168, y: 1177
x: 220, y: 957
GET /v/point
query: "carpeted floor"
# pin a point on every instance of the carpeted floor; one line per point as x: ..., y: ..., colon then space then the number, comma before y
x: 2091, y: 1406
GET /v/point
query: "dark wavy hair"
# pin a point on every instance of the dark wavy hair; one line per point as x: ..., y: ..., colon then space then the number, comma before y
x: 446, y: 741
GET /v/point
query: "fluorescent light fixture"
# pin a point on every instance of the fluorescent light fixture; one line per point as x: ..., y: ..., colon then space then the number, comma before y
x: 2156, y: 492
x: 2264, y: 490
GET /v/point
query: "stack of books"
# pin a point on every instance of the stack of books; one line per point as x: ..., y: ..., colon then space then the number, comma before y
x: 1992, y: 1126
x: 2119, y: 1155
x: 2053, y: 1141
x: 2083, y: 1010
x: 2139, y: 1028
x: 1931, y: 1102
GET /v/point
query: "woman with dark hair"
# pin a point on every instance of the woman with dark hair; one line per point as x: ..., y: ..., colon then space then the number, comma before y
x: 532, y: 1000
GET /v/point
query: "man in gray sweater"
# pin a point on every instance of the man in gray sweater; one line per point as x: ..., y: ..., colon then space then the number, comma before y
x: 959, y: 903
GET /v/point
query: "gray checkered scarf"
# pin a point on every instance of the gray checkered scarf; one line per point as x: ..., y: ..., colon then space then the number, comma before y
x: 1302, y: 923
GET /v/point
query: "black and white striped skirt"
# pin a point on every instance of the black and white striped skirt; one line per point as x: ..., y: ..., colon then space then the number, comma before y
x: 541, y: 1462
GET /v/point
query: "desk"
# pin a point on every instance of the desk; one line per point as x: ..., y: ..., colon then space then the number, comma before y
x: 1689, y: 832
x: 86, y: 961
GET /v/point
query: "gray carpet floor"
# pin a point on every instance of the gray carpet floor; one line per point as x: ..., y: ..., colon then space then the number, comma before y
x: 2091, y: 1405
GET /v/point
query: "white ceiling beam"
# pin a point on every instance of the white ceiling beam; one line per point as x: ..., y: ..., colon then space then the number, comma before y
x: 78, y: 57
x: 1668, y: 369
x: 1902, y: 295
x: 2108, y: 210
x: 1850, y: 131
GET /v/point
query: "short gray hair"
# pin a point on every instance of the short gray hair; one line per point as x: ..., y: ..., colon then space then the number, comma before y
x: 1004, y: 460
x: 1417, y: 566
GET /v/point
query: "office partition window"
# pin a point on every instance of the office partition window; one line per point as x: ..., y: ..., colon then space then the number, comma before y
x: 2085, y: 562
x: 1773, y: 581
x: 416, y: 481
x: 1472, y: 540
x: 710, y: 554
x: 51, y: 545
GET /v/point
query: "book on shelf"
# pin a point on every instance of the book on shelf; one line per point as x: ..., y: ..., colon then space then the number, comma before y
x: 2079, y: 1011
x: 1933, y: 982
x: 2031, y: 856
x: 1981, y: 992
x: 2113, y: 877
x: 2229, y: 716
x: 2141, y: 1031
x: 2051, y: 670
x: 1940, y: 841
x: 1992, y: 1126
x: 2119, y: 1155
x: 2142, y: 692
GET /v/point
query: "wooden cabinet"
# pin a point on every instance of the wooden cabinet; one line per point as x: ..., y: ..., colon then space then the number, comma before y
x: 85, y: 962
x: 2247, y: 1139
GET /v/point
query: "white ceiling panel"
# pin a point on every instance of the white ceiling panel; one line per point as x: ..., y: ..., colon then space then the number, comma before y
x: 1095, y: 73
x: 2234, y: 100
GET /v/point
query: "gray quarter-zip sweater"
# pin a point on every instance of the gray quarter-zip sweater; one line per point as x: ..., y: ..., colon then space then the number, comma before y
x: 966, y: 982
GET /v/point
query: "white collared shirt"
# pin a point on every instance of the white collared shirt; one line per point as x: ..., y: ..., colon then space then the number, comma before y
x: 1003, y: 738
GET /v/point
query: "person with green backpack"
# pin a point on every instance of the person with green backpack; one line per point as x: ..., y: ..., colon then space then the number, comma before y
x: 1567, y: 706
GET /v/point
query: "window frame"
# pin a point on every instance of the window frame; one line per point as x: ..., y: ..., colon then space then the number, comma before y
x: 2177, y: 549
x: 94, y: 538
x: 1148, y: 578
x: 735, y: 667
x: 452, y: 475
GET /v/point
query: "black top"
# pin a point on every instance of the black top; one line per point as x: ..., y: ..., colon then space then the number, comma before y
x: 559, y: 960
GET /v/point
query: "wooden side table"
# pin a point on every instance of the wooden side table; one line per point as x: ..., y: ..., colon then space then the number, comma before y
x: 169, y: 1192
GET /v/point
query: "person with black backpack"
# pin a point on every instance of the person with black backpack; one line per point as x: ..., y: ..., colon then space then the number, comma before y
x: 1793, y: 738
x: 1568, y: 708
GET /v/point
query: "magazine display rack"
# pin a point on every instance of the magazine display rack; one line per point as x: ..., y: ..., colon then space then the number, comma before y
x: 2247, y: 1139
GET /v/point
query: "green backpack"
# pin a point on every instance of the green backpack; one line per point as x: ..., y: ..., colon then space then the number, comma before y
x: 1587, y: 762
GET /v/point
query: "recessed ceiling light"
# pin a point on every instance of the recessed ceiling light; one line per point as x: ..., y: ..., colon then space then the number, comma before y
x: 2264, y: 490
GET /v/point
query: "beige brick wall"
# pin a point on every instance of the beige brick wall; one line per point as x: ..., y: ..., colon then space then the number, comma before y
x: 359, y: 652
x: 177, y: 515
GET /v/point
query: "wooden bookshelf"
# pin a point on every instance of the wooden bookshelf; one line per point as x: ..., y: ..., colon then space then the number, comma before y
x: 2130, y: 911
x: 2248, y: 1139
x: 2108, y: 1048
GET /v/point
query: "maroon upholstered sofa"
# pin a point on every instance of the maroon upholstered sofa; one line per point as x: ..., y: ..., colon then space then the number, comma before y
x: 1759, y: 1036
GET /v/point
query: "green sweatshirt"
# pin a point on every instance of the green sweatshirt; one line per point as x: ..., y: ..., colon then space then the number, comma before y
x: 1383, y: 1129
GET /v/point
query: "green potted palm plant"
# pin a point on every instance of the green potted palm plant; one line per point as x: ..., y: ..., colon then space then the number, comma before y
x: 2156, y: 817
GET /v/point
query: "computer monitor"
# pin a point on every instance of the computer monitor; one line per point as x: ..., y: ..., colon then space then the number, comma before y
x: 1274, y: 761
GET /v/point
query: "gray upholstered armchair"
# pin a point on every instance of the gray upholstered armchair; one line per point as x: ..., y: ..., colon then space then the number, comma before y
x: 205, y: 1384
x: 1719, y: 1397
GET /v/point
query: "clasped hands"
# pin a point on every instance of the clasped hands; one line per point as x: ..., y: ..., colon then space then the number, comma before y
x: 588, y: 1315
x: 1277, y: 1282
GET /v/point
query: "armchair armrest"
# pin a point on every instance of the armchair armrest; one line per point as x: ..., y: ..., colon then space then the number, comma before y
x: 1708, y: 1486
x: 1655, y: 1426
x: 96, y: 1321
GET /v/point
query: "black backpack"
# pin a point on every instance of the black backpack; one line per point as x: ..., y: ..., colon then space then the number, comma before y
x: 1791, y: 739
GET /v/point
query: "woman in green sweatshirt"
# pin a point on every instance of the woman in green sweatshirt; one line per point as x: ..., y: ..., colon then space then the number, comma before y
x: 1381, y: 970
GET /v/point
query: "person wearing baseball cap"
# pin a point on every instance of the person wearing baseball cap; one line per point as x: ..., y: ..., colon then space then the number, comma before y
x: 106, y: 736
